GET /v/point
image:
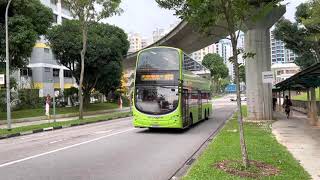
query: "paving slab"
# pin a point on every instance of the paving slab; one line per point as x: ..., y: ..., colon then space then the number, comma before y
x: 301, y: 139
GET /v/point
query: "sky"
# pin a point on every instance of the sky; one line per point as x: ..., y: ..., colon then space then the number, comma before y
x: 144, y: 16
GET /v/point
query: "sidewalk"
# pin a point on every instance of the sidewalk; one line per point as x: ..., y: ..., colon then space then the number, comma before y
x: 62, y: 118
x: 301, y: 139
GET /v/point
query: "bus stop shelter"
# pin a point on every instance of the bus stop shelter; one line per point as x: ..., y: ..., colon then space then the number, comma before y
x: 307, y: 80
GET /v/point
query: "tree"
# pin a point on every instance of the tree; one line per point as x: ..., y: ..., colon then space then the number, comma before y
x: 86, y: 11
x: 28, y: 19
x: 111, y: 78
x: 242, y: 73
x: 107, y: 45
x: 218, y: 70
x: 302, y: 36
x: 234, y: 13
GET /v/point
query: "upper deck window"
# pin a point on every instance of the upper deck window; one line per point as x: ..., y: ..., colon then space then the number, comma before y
x: 158, y: 59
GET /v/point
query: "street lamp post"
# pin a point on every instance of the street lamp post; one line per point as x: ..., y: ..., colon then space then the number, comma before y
x: 7, y: 69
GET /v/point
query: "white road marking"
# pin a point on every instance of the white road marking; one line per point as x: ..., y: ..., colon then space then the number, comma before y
x: 56, y: 141
x: 61, y: 149
x: 102, y: 132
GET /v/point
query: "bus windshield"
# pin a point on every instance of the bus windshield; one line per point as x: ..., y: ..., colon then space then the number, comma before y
x: 156, y: 83
x: 156, y: 99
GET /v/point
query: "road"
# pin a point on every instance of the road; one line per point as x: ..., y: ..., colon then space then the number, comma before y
x: 111, y: 150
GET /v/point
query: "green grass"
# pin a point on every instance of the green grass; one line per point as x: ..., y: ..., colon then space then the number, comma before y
x: 262, y: 146
x: 26, y: 113
x: 303, y: 96
x: 65, y: 123
x: 244, y: 110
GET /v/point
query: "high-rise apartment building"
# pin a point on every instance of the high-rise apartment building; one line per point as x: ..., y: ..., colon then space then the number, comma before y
x: 280, y: 54
x: 157, y: 34
x: 137, y: 42
x: 224, y: 49
x: 43, y: 72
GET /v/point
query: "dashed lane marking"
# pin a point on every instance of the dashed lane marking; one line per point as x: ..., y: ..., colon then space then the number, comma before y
x: 64, y: 148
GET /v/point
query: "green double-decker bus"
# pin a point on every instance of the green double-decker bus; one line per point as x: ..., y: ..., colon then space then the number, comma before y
x: 167, y: 92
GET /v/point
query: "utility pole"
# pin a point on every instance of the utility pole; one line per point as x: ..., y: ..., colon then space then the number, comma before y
x: 7, y: 69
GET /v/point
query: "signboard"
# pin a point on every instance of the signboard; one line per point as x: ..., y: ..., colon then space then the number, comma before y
x: 231, y: 88
x: 267, y: 77
x: 2, y: 79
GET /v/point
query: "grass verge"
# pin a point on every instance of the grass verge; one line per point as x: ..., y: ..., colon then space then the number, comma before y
x: 303, y: 96
x: 65, y: 123
x: 262, y: 146
x: 26, y: 113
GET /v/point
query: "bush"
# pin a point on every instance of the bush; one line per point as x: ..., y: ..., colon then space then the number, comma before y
x: 71, y: 93
x: 29, y: 98
x: 3, y: 100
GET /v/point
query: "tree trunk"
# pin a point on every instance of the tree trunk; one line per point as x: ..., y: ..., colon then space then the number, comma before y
x: 83, y: 53
x: 240, y: 119
x: 86, y: 98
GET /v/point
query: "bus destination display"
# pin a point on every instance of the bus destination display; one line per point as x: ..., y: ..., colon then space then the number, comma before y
x: 157, y: 77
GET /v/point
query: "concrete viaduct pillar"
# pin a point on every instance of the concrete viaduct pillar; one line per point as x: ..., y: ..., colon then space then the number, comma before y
x: 257, y: 40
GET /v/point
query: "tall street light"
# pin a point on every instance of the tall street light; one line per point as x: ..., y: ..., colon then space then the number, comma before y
x: 7, y: 69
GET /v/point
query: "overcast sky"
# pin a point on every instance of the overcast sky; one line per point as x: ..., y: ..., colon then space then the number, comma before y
x: 144, y: 16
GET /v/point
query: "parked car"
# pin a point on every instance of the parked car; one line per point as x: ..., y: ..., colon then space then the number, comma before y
x: 234, y: 98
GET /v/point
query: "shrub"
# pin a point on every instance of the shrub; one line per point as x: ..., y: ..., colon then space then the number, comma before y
x: 29, y: 98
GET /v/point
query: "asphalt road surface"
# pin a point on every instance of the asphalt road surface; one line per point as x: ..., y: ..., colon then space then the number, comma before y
x: 111, y: 150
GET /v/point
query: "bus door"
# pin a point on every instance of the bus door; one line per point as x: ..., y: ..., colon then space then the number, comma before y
x: 199, y: 105
x: 185, y: 107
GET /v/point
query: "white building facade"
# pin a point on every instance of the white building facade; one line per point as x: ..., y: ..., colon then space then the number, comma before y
x: 43, y: 72
x: 283, y: 71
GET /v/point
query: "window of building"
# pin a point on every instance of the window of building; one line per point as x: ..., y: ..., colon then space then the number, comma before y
x: 54, y: 2
x: 46, y: 69
x: 64, y: 5
x: 26, y: 72
x: 56, y: 72
x: 46, y: 50
x: 280, y: 72
x: 67, y: 73
x: 55, y: 18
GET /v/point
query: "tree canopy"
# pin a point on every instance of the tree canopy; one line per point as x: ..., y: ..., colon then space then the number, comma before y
x: 242, y: 73
x: 107, y: 45
x: 302, y: 36
x: 218, y: 70
x: 28, y: 19
x: 88, y: 11
x: 214, y: 62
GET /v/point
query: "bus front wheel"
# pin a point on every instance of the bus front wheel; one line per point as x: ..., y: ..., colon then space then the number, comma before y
x: 190, y: 120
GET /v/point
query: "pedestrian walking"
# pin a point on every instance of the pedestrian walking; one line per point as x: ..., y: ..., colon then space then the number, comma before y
x: 274, y: 103
x: 287, y: 106
x: 48, y: 103
x: 120, y: 103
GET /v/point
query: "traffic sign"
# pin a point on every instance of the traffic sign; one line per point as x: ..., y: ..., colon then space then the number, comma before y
x: 267, y: 77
